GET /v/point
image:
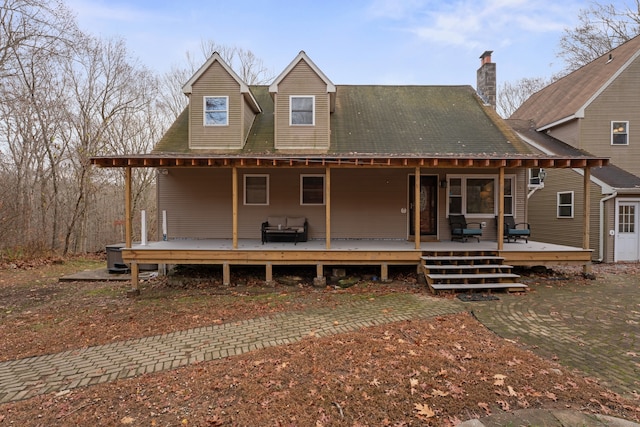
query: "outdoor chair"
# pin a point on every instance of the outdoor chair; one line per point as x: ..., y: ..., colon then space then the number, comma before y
x: 461, y: 229
x: 521, y: 230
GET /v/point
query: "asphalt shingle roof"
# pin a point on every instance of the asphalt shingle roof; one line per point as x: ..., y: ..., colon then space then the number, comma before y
x: 565, y: 97
x: 610, y: 174
x: 386, y: 120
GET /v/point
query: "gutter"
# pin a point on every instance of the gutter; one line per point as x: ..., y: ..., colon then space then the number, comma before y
x: 601, y: 231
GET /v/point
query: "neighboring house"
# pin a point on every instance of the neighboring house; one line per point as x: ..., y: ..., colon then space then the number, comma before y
x: 594, y: 110
x: 375, y: 170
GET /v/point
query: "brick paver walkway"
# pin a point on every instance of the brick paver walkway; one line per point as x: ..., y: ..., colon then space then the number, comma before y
x: 594, y: 327
x: 24, y: 378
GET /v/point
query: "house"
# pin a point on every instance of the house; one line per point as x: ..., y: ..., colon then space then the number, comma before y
x: 375, y: 171
x: 591, y: 111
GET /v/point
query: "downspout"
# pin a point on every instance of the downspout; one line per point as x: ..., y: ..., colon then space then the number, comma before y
x: 601, y: 232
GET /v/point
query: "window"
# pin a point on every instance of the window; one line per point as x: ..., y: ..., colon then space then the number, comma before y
x: 302, y: 110
x: 536, y: 177
x: 216, y: 110
x: 312, y: 189
x: 476, y: 195
x: 256, y: 189
x: 619, y: 133
x: 626, y: 219
x: 508, y: 196
x: 565, y: 204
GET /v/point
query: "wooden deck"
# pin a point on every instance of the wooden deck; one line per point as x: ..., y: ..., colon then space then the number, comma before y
x: 342, y: 252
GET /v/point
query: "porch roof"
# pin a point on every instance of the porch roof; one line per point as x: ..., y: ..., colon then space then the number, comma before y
x: 162, y: 160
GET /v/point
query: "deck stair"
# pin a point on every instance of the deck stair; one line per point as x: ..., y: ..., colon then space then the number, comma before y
x: 468, y: 271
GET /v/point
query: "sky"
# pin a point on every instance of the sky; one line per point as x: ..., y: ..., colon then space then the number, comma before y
x: 391, y: 42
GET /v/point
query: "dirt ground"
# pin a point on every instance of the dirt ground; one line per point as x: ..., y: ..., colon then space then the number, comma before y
x: 436, y: 372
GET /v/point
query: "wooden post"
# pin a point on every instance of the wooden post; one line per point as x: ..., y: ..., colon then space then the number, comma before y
x: 586, y: 216
x: 129, y: 232
x: 327, y: 202
x: 226, y: 274
x: 269, y: 273
x: 234, y: 208
x: 384, y: 272
x: 500, y: 225
x: 416, y: 209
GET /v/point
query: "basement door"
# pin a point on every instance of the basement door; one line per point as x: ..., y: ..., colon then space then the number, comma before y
x: 627, y: 235
x: 428, y: 205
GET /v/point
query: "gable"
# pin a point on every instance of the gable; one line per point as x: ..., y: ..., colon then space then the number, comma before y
x: 567, y: 98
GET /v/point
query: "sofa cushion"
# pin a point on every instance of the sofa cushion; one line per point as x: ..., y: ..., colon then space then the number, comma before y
x: 296, y: 222
x: 274, y: 221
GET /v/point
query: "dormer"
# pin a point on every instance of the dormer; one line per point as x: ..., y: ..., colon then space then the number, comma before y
x: 221, y: 107
x: 303, y: 99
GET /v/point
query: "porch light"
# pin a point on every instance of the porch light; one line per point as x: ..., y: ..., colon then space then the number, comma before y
x: 443, y: 183
x: 542, y: 175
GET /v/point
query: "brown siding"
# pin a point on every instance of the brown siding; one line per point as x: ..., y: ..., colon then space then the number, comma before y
x: 216, y: 82
x: 192, y: 199
x: 546, y: 227
x: 568, y: 133
x: 367, y: 203
x: 302, y: 80
x: 618, y: 103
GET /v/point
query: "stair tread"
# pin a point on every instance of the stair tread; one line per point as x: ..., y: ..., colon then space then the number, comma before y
x: 439, y: 286
x: 466, y: 266
x: 473, y: 276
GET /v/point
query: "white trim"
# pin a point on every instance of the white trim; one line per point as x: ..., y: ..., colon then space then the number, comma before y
x: 606, y: 188
x: 559, y: 122
x: 602, y: 88
x: 626, y: 128
x: 187, y: 89
x: 463, y: 196
x: 324, y: 189
x: 313, y: 110
x: 573, y: 204
x: 301, y: 56
x: 244, y: 188
x: 205, y: 111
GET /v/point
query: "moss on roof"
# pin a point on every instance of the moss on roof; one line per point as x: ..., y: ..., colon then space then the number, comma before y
x: 385, y: 120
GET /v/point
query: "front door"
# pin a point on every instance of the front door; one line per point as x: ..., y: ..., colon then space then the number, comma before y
x: 627, y: 235
x: 428, y: 205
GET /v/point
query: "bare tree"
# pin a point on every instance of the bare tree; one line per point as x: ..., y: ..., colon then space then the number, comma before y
x: 249, y: 68
x: 601, y: 28
x: 512, y: 95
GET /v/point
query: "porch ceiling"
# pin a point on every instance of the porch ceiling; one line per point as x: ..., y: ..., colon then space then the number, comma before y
x: 364, y: 160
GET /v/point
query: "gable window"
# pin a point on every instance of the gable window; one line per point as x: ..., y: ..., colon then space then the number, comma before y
x: 256, y: 189
x: 619, y: 133
x: 312, y: 189
x: 477, y: 195
x: 565, y: 204
x: 302, y: 110
x: 216, y: 110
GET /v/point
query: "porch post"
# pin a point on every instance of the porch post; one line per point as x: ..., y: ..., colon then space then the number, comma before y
x: 327, y: 206
x: 234, y: 206
x: 129, y: 231
x: 500, y: 225
x: 586, y: 216
x: 416, y: 209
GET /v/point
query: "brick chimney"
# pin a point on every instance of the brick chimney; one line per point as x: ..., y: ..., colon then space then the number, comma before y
x: 486, y: 77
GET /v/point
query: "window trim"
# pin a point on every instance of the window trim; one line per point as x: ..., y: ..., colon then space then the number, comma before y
x: 463, y: 196
x: 205, y: 111
x: 558, y: 205
x: 313, y: 110
x: 244, y: 188
x: 626, y: 132
x: 324, y: 189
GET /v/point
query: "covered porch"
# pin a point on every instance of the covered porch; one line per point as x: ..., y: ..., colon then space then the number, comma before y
x: 366, y: 252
